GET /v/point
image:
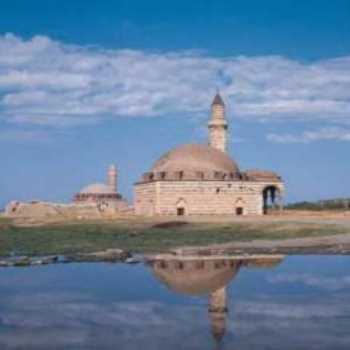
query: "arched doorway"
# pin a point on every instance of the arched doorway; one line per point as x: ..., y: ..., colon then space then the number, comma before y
x: 181, y: 207
x: 272, y: 199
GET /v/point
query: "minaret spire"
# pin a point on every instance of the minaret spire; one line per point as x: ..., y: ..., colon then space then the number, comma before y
x: 112, y: 178
x: 218, y: 124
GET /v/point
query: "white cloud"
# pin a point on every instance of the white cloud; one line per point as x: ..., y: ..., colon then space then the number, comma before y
x: 47, y: 82
x: 23, y: 135
x: 88, y: 320
x: 79, y: 321
x: 321, y: 282
x: 323, y: 134
x: 292, y: 311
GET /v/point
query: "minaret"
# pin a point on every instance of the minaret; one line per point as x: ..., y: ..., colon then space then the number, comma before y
x: 218, y: 124
x: 218, y: 311
x: 112, y: 178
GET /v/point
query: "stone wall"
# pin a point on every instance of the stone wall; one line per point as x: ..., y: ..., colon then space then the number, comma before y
x: 200, y: 197
x: 47, y: 210
x: 33, y: 209
x: 145, y: 198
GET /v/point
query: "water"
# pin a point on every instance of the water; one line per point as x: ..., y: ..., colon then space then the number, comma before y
x: 296, y: 303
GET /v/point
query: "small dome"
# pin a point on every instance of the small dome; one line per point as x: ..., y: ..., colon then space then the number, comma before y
x: 195, y: 158
x: 97, y: 188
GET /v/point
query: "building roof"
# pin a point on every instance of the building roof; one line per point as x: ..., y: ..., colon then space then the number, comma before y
x: 218, y: 100
x: 191, y: 157
x: 262, y: 175
x: 97, y: 188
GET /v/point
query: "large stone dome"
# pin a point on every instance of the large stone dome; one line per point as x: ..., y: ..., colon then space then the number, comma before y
x: 191, y: 161
x: 195, y: 158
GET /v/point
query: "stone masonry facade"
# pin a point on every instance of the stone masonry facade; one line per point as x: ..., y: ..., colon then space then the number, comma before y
x: 201, y: 197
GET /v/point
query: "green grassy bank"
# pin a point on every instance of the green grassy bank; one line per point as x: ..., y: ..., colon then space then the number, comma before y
x: 139, y: 236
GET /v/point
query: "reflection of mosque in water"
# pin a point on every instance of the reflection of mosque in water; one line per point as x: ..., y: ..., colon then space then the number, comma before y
x: 200, y: 276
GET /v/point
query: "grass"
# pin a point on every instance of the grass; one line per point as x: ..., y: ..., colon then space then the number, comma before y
x: 139, y: 236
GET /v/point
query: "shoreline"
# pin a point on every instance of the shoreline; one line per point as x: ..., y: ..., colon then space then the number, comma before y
x: 328, y: 245
x: 120, y: 239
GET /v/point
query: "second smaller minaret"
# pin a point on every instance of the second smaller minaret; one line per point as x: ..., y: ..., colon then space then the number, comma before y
x: 218, y: 125
x: 112, y: 178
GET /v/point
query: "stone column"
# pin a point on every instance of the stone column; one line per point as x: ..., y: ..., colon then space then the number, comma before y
x: 280, y: 201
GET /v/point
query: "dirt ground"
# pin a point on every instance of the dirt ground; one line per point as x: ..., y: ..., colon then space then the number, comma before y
x: 335, y: 243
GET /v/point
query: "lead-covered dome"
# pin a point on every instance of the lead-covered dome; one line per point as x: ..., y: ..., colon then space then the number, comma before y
x: 191, y: 161
x: 195, y: 157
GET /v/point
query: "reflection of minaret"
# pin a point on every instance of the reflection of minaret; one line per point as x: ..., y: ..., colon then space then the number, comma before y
x: 217, y: 313
x: 112, y: 178
x: 198, y: 275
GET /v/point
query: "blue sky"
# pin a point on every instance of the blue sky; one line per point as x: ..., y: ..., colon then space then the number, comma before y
x: 84, y: 84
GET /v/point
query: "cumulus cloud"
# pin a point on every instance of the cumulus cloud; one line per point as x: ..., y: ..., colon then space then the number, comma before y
x: 323, y: 134
x: 79, y: 320
x: 24, y: 135
x: 63, y: 321
x: 48, y: 82
x: 292, y: 321
x: 290, y: 311
x: 321, y: 282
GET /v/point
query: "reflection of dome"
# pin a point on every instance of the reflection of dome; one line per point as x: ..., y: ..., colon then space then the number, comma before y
x: 206, y: 275
x: 195, y: 277
x: 98, y: 188
x: 195, y: 158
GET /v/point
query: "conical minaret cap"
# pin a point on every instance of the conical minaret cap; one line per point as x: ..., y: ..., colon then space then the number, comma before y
x: 218, y: 112
x: 218, y: 101
x: 112, y: 168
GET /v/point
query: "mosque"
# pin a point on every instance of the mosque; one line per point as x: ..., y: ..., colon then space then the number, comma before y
x: 195, y: 179
x: 191, y: 179
x: 104, y: 195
